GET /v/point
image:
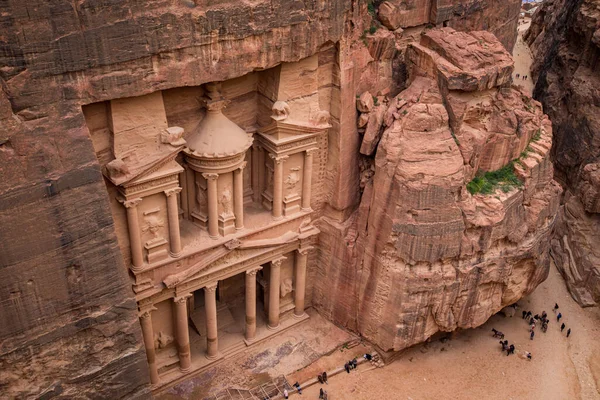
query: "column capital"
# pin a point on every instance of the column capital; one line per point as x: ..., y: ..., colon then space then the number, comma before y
x: 277, y: 262
x: 210, y: 176
x: 131, y: 203
x: 304, y: 251
x: 243, y: 165
x: 253, y: 271
x: 170, y: 192
x: 182, y: 298
x: 311, y: 150
x: 211, y: 287
x: 146, y: 312
x: 278, y: 159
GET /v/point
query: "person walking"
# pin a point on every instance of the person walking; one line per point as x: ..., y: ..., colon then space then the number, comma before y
x: 297, y: 386
x: 285, y: 394
x: 347, y: 368
x: 531, y: 335
x: 321, y: 394
x: 562, y: 327
x: 555, y: 307
x: 524, y: 314
x: 558, y: 317
x: 568, y: 332
x: 325, y: 377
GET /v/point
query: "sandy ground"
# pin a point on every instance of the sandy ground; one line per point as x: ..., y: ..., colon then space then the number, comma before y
x: 472, y: 366
x: 522, y: 56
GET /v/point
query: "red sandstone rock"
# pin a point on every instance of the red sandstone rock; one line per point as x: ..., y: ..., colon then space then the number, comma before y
x: 373, y: 131
x: 464, y: 61
x: 432, y: 256
x: 365, y: 102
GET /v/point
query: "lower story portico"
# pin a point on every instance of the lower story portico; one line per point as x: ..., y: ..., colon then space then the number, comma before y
x: 218, y: 309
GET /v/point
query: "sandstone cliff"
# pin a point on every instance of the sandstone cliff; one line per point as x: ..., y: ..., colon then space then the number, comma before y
x: 422, y: 254
x: 565, y: 40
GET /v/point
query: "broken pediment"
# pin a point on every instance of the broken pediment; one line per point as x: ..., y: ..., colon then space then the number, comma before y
x: 140, y: 139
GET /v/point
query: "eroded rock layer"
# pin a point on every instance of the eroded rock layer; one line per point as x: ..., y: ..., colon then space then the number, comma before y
x: 565, y: 40
x: 422, y: 254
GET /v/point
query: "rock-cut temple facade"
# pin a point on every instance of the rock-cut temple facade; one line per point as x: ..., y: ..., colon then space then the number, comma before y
x: 214, y: 223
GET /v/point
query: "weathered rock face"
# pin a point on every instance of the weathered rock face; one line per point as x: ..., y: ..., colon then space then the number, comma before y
x: 428, y: 256
x: 565, y: 40
x: 499, y: 18
x: 70, y: 320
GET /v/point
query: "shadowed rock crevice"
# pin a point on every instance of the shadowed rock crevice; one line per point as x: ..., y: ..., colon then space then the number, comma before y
x: 565, y: 41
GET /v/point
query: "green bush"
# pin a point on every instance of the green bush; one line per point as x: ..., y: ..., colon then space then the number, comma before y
x: 503, y: 178
x: 371, y: 8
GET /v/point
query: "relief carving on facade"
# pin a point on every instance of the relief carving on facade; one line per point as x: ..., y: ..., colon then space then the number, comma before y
x: 293, y: 178
x: 286, y: 287
x: 281, y: 110
x: 226, y: 203
x: 153, y: 225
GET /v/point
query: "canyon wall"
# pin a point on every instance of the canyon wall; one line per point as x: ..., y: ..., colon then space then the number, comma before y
x: 564, y: 37
x: 427, y: 250
x: 70, y: 324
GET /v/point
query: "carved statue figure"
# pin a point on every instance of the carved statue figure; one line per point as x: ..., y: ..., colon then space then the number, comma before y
x: 321, y: 118
x: 281, y: 110
x: 270, y: 180
x: 173, y: 136
x: 153, y: 225
x: 286, y: 287
x: 162, y: 340
x: 117, y: 167
x: 226, y: 202
x: 200, y: 196
x: 293, y: 178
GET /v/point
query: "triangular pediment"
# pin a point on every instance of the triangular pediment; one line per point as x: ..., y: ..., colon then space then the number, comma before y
x: 231, y: 253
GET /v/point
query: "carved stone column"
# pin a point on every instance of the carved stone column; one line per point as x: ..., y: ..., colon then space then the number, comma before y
x: 210, y: 302
x: 307, y: 179
x: 135, y: 241
x: 251, y: 303
x: 256, y: 189
x: 148, y: 335
x: 274, y: 293
x: 213, y: 206
x: 300, y: 281
x: 278, y: 185
x: 182, y: 333
x: 173, y: 217
x: 238, y: 194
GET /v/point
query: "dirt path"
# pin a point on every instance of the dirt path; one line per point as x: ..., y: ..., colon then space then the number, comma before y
x: 471, y: 366
x: 523, y: 58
